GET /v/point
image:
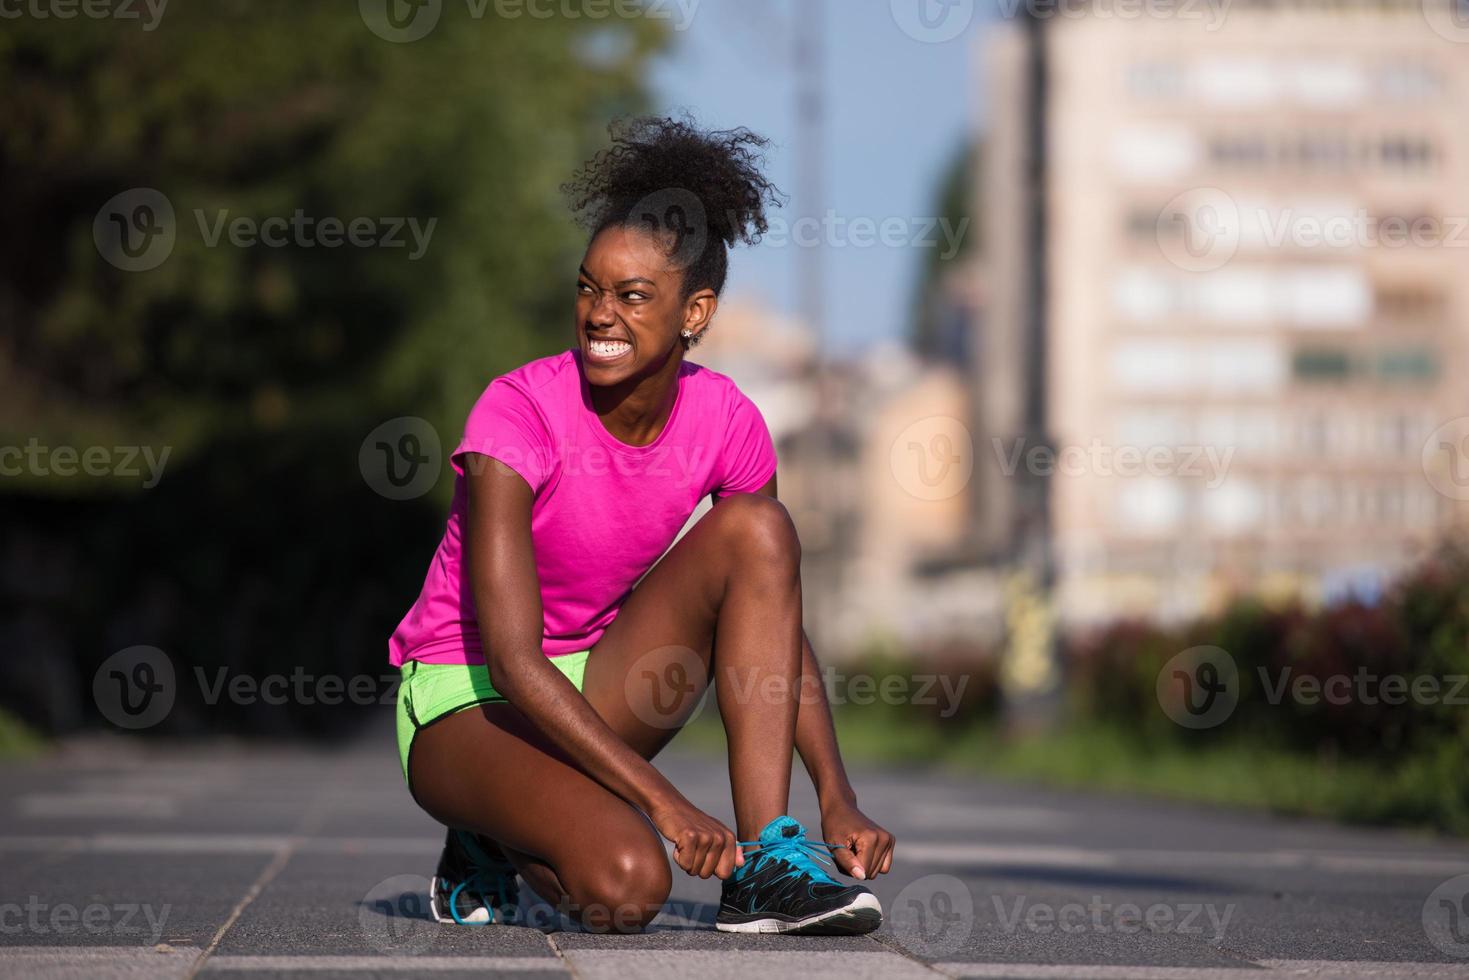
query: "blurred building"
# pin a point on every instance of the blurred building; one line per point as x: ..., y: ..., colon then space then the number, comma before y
x: 886, y: 526
x: 1226, y: 299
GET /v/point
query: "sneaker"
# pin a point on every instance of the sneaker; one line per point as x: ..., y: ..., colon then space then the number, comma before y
x: 780, y: 889
x: 474, y: 884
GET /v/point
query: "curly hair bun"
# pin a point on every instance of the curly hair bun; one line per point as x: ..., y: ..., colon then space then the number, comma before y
x: 700, y: 192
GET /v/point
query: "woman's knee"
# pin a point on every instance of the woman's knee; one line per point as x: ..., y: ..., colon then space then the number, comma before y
x: 759, y: 529
x: 623, y: 887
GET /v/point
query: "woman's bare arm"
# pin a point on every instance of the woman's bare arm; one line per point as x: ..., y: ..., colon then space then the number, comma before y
x: 507, y: 596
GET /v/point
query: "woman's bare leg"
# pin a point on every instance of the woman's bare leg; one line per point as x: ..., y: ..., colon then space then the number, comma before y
x: 725, y: 599
x: 488, y: 770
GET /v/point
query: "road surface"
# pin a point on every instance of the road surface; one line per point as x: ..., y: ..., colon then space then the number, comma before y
x: 124, y: 856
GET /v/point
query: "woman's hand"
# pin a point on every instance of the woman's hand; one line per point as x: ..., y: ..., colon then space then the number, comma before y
x: 701, y: 845
x: 867, y: 849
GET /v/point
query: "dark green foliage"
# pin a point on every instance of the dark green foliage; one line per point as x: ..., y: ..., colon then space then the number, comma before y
x: 263, y: 368
x: 1314, y: 684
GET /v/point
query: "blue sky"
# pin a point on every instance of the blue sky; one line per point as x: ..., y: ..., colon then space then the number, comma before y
x: 897, y: 109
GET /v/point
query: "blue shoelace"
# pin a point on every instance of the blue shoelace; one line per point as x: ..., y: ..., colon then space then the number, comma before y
x: 796, y: 851
x: 490, y: 879
x: 491, y: 894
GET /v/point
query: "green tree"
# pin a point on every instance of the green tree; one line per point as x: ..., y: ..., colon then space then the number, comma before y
x: 263, y: 368
x: 954, y: 203
x: 261, y: 109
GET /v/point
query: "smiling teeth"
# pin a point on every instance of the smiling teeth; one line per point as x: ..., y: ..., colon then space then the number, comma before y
x: 610, y: 348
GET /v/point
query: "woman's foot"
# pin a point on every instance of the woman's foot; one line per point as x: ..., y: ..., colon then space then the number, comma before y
x: 781, y: 889
x: 475, y: 884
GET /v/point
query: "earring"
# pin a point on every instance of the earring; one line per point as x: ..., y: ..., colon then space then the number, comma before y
x: 686, y: 334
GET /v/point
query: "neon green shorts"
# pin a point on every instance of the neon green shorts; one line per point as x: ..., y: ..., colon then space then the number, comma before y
x: 429, y: 692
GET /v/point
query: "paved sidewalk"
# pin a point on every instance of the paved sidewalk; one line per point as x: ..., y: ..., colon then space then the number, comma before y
x: 125, y: 857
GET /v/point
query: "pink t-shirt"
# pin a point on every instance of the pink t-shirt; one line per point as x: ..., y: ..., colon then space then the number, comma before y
x: 604, y: 511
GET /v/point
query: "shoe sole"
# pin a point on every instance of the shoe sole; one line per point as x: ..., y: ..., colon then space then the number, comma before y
x: 862, y: 916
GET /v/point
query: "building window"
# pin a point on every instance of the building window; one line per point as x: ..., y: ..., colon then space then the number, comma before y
x: 1304, y: 296
x: 1401, y: 434
x: 1321, y: 364
x: 1312, y: 434
x: 1410, y: 302
x: 1326, y: 151
x: 1409, y: 83
x: 1328, y: 84
x: 1151, y: 504
x: 1214, y: 366
x: 1154, y: 152
x: 1414, y: 364
x: 1154, y: 80
x: 1234, y: 507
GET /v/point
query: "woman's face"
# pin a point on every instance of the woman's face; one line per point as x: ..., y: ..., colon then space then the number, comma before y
x: 629, y: 312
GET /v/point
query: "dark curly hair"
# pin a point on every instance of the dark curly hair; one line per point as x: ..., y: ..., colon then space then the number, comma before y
x: 701, y: 192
